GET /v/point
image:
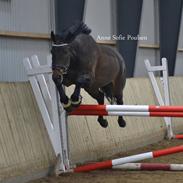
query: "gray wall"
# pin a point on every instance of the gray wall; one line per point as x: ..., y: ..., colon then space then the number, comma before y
x: 25, y: 15
x: 149, y: 27
x: 179, y: 62
x: 22, y: 16
x: 98, y: 17
x: 35, y: 16
x: 12, y: 52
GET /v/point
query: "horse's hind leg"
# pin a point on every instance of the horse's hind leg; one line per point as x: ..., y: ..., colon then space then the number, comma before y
x: 109, y: 93
x: 121, y: 121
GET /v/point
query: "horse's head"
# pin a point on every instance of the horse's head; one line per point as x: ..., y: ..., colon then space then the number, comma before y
x: 60, y: 55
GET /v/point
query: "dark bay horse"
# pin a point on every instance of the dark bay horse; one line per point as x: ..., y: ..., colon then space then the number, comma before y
x: 77, y: 59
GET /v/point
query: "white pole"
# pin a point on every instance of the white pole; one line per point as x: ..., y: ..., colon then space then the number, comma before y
x: 168, y: 120
x: 139, y: 108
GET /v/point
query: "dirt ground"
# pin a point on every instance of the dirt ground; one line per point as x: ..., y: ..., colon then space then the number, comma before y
x: 118, y: 176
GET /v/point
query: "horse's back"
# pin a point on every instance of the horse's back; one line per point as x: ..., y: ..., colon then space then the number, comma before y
x: 112, y: 52
x: 114, y: 61
x: 87, y: 48
x: 103, y: 63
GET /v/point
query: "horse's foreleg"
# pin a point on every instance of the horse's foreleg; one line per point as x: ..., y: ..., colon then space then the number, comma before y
x: 76, y: 98
x: 121, y: 121
x: 99, y: 96
x: 66, y: 103
x: 100, y: 99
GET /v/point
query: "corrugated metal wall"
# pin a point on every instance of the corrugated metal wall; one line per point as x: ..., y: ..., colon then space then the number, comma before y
x: 149, y: 27
x: 98, y: 17
x: 35, y: 16
x: 25, y: 15
x: 179, y: 62
x: 22, y: 16
x: 12, y: 52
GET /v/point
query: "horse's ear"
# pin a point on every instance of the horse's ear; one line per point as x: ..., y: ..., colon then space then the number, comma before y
x: 52, y: 36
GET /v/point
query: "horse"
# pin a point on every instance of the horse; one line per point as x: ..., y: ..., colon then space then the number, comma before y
x: 100, y: 70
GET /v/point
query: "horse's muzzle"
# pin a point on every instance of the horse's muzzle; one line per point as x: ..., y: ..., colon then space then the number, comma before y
x: 57, y: 76
x: 60, y: 69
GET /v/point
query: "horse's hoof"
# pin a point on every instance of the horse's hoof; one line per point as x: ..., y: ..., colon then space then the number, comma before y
x: 77, y: 102
x: 68, y: 107
x: 121, y: 122
x: 103, y: 123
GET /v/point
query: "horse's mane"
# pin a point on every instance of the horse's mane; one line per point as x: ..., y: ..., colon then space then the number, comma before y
x: 69, y: 34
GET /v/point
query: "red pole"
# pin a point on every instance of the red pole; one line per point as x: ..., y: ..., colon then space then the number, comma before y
x: 166, y: 114
x: 180, y: 136
x: 128, y: 159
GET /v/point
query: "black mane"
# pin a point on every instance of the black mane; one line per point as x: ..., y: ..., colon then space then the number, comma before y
x: 69, y: 34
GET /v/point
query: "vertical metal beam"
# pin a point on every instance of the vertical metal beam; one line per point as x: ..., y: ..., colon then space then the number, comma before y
x: 169, y: 17
x: 128, y: 23
x: 67, y: 12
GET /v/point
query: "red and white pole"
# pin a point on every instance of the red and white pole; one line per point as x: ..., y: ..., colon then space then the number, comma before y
x: 128, y: 159
x: 150, y: 166
x: 129, y: 110
x: 139, y: 108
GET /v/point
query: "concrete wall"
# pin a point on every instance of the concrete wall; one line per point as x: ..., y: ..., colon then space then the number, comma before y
x: 25, y: 149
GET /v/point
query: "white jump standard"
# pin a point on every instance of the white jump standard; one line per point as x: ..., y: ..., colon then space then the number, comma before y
x: 56, y: 122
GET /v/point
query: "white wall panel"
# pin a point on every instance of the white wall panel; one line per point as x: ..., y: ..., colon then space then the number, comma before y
x: 98, y: 17
x: 148, y: 28
x: 22, y: 16
x: 25, y: 15
x: 179, y: 60
x: 12, y: 52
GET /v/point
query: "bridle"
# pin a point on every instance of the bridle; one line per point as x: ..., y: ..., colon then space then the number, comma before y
x: 64, y: 70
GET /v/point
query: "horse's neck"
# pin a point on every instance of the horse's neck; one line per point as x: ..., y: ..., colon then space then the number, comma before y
x: 73, y: 58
